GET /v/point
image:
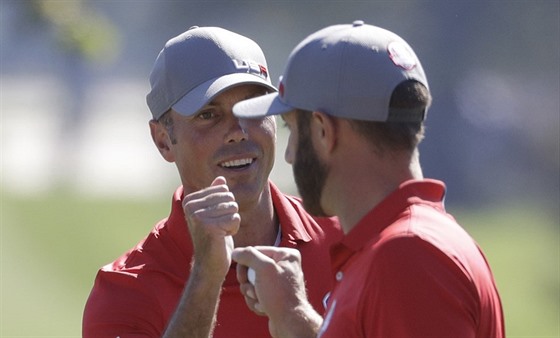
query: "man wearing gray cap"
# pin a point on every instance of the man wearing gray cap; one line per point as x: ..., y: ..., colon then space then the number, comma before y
x: 179, y: 280
x: 354, y: 98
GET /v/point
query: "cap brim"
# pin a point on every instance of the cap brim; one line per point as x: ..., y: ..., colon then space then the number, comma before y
x: 261, y: 106
x: 194, y: 100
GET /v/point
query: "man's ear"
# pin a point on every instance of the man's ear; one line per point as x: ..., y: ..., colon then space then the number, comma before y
x: 323, y: 131
x: 161, y: 139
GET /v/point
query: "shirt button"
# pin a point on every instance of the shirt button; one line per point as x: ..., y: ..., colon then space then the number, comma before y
x: 339, y: 276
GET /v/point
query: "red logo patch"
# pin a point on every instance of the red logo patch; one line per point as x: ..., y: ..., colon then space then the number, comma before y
x: 281, y: 89
x: 402, y: 55
x: 263, y: 71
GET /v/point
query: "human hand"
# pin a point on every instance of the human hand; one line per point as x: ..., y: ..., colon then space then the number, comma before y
x: 213, y: 218
x: 278, y: 290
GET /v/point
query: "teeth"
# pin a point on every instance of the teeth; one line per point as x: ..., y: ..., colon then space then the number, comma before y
x: 237, y: 163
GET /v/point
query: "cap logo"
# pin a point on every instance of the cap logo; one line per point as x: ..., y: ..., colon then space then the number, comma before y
x: 281, y: 89
x: 251, y: 67
x: 402, y: 55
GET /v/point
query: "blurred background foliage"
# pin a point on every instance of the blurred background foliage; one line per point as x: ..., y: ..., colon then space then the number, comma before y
x: 81, y: 182
x: 78, y: 29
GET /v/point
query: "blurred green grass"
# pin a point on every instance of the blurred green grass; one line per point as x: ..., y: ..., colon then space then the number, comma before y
x: 53, y: 244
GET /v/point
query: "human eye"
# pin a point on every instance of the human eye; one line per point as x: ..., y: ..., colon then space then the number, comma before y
x: 206, y: 115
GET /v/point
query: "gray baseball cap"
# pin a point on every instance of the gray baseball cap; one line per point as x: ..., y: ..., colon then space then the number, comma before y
x: 199, y: 64
x: 348, y: 71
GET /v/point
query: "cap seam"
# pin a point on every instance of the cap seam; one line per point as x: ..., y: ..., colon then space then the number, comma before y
x: 338, y: 72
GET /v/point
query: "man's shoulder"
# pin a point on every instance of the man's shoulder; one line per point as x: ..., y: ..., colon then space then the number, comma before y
x: 157, y: 252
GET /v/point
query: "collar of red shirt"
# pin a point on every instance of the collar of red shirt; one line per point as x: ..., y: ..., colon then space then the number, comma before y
x: 291, y: 215
x: 289, y: 210
x: 410, y: 192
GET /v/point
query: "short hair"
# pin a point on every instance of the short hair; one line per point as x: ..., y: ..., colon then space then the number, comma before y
x: 409, y: 95
x: 166, y: 120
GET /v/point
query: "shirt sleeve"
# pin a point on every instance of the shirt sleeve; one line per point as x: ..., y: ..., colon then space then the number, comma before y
x: 117, y: 307
x: 416, y: 290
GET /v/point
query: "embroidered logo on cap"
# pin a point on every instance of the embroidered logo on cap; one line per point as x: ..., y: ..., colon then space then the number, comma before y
x: 251, y: 67
x: 401, y: 55
x: 281, y: 89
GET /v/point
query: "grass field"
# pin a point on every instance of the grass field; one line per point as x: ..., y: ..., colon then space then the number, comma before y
x: 52, y: 246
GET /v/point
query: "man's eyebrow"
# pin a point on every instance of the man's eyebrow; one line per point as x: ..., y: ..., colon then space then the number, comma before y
x: 208, y: 105
x: 256, y: 93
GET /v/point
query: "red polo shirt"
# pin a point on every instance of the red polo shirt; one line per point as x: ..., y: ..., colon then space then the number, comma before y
x: 407, y: 269
x: 136, y: 295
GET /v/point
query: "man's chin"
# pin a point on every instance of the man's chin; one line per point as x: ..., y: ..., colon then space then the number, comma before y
x: 248, y: 193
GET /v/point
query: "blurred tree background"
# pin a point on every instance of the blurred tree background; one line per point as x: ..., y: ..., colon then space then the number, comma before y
x: 81, y: 181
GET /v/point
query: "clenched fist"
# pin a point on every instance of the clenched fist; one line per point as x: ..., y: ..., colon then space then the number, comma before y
x: 212, y: 217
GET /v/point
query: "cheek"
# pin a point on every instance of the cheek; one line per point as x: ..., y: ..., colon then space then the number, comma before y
x: 269, y: 123
x: 191, y: 145
x: 265, y: 136
x: 264, y: 130
x: 269, y: 127
x: 291, y: 148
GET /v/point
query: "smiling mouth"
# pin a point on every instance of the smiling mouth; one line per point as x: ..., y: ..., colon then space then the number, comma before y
x: 237, y: 164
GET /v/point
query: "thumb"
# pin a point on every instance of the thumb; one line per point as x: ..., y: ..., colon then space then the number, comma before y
x: 220, y: 180
x: 248, y: 256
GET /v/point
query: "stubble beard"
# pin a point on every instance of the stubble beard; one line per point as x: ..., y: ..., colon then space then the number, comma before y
x: 309, y: 173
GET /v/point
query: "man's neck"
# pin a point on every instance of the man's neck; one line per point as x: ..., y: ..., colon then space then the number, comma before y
x: 259, y: 223
x: 364, y: 185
